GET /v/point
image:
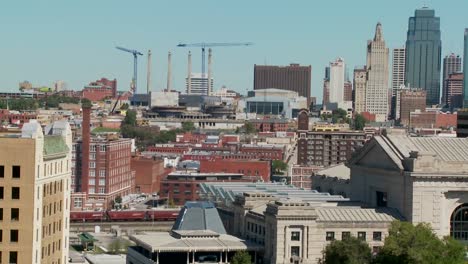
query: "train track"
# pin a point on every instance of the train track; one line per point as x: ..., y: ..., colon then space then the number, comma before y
x: 126, y: 227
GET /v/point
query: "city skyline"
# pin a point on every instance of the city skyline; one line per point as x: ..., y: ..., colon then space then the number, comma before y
x: 64, y: 41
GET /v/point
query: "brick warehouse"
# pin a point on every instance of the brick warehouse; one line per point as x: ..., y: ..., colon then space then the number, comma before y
x: 148, y: 174
x: 255, y: 169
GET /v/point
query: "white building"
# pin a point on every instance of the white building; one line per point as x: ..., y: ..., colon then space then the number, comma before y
x: 398, y: 69
x: 199, y: 84
x: 337, y: 80
x: 377, y: 77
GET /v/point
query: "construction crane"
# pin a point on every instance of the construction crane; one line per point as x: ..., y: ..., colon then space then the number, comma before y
x: 135, y: 63
x: 204, y: 45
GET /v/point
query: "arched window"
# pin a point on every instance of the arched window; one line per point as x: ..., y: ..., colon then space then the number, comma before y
x: 459, y: 223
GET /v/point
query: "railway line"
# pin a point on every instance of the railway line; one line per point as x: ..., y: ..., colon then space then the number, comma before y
x: 124, y: 226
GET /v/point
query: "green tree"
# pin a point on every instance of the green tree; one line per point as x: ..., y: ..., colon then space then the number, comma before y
x: 188, y: 126
x: 241, y: 257
x: 249, y: 128
x: 86, y: 103
x: 279, y: 167
x: 340, y: 116
x: 130, y: 118
x: 350, y: 250
x: 124, y: 106
x: 359, y: 122
x: 417, y: 244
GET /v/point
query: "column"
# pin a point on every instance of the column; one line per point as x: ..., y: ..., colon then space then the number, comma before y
x: 221, y: 256
x: 188, y: 258
x: 193, y: 257
x: 157, y: 257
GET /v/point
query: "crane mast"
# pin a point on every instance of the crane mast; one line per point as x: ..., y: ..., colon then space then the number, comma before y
x: 135, y: 54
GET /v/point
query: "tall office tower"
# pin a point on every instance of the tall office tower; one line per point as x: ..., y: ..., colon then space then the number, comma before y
x: 398, y: 69
x: 359, y: 79
x: 198, y: 84
x: 326, y: 86
x: 293, y: 78
x: 377, y: 76
x: 423, y: 54
x: 452, y: 64
x: 337, y: 79
x: 465, y: 69
x: 453, y: 92
x: 35, y: 176
x: 348, y: 91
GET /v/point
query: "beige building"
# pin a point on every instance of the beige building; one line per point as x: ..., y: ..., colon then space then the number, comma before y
x: 35, y: 175
x: 359, y: 83
x: 377, y: 76
x: 424, y: 178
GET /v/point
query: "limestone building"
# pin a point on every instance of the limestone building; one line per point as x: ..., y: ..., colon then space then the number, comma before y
x: 359, y: 90
x: 35, y: 171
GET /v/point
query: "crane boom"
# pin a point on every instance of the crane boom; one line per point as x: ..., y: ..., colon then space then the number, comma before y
x: 204, y: 45
x: 135, y: 64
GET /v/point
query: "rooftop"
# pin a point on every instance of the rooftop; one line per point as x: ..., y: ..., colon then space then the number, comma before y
x: 357, y: 214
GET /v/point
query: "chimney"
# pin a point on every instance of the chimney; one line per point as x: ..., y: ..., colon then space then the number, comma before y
x: 189, y: 73
x: 209, y: 91
x: 85, y: 148
x: 148, y: 73
x: 169, y: 72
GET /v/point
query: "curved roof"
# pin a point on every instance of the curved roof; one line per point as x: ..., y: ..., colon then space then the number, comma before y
x: 199, y: 216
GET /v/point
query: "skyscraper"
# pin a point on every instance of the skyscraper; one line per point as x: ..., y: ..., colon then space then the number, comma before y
x: 465, y: 69
x: 326, y: 86
x: 453, y: 92
x: 337, y: 79
x: 423, y: 53
x: 292, y: 78
x: 398, y: 69
x: 452, y: 64
x: 359, y: 82
x: 377, y: 76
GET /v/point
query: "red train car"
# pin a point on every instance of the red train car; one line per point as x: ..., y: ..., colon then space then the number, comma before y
x: 163, y: 215
x: 87, y: 216
x: 126, y: 215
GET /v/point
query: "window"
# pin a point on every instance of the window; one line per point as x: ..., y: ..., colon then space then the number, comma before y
x: 13, y: 257
x: 92, y: 173
x: 14, y: 235
x: 1, y: 192
x: 15, y: 193
x: 295, y: 251
x: 14, y: 214
x: 16, y: 172
x: 377, y: 236
x: 295, y: 236
x: 330, y: 236
x: 102, y: 182
x: 92, y: 164
x: 381, y: 199
x: 102, y: 173
x: 345, y: 235
x: 102, y: 190
x: 361, y: 235
x: 1, y: 238
x: 92, y: 181
x: 2, y: 171
x: 1, y: 214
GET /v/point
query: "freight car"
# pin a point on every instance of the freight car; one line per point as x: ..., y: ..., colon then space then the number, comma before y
x: 124, y: 215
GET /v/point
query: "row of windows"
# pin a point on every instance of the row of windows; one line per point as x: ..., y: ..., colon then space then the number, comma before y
x: 53, y: 168
x: 50, y: 229
x: 14, y: 214
x: 15, y: 193
x: 255, y: 228
x: 46, y: 250
x: 102, y: 173
x: 14, y: 236
x: 47, y: 209
x: 376, y: 236
x: 92, y: 181
x: 52, y: 188
x: 15, y: 171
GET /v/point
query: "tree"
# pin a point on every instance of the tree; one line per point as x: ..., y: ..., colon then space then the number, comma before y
x: 249, y: 128
x: 417, y: 244
x: 86, y: 103
x: 188, y: 126
x: 241, y: 257
x: 350, y: 250
x: 130, y: 118
x: 279, y: 167
x: 124, y: 106
x: 359, y: 122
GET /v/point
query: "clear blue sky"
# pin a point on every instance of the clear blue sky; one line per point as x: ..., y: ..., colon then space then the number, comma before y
x: 44, y: 41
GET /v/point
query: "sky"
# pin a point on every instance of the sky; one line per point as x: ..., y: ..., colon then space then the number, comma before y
x: 74, y: 41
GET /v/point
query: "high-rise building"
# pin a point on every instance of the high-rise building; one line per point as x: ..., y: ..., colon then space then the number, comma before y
x: 348, y: 91
x: 423, y: 53
x: 337, y: 80
x: 453, y: 92
x: 452, y: 64
x: 398, y: 69
x: 410, y: 101
x: 326, y: 86
x: 359, y: 78
x: 198, y: 84
x: 465, y: 69
x: 377, y: 76
x: 293, y: 78
x: 35, y: 175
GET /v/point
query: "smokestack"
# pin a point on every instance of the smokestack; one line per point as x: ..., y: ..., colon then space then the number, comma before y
x: 148, y: 73
x: 85, y: 143
x: 189, y: 73
x: 169, y: 72
x: 210, y: 90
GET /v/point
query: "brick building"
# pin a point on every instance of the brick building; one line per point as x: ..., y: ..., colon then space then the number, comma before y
x: 348, y: 91
x: 301, y: 176
x: 188, y: 137
x: 453, y: 92
x: 270, y: 125
x: 432, y: 120
x: 177, y: 148
x: 15, y: 117
x: 411, y: 100
x: 254, y: 169
x: 181, y: 186
x: 148, y: 174
x: 100, y: 90
x: 100, y: 169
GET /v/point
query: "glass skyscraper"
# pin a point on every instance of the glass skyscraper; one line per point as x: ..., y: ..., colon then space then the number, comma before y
x: 423, y: 54
x: 465, y: 70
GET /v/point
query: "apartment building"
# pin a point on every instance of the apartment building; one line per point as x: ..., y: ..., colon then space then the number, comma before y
x: 35, y: 170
